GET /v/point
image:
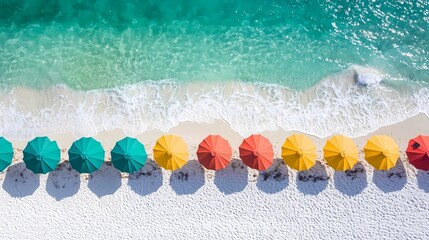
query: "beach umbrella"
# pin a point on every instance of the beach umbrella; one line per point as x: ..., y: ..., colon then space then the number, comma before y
x: 86, y: 155
x: 381, y: 152
x: 418, y: 152
x: 214, y: 152
x: 41, y: 155
x: 128, y: 155
x: 6, y: 153
x: 170, y: 152
x: 341, y: 153
x: 257, y: 152
x: 299, y: 152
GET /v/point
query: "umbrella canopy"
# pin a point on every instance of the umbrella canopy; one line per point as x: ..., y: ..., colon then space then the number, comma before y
x: 381, y: 152
x: 418, y: 152
x: 299, y: 152
x: 257, y: 152
x: 86, y: 155
x: 341, y: 153
x: 170, y: 152
x: 214, y: 152
x: 6, y: 153
x: 41, y: 155
x: 128, y: 155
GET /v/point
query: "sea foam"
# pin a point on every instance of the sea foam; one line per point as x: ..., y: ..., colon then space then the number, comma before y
x: 367, y: 76
x: 336, y: 105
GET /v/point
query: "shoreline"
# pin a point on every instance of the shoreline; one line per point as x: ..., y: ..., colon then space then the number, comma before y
x: 204, y: 199
x: 337, y: 104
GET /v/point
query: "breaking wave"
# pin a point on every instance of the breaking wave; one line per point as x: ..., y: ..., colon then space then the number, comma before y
x: 336, y: 105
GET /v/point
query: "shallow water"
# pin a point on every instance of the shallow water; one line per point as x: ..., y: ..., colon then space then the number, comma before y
x: 294, y: 65
x: 102, y: 44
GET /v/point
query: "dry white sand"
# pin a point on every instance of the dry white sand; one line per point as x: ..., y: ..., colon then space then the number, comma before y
x: 233, y: 203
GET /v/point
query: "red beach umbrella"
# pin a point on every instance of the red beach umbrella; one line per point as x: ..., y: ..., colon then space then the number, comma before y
x: 257, y: 152
x: 214, y: 152
x: 418, y: 152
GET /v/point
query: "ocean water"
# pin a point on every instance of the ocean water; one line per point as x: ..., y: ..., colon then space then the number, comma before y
x: 81, y: 66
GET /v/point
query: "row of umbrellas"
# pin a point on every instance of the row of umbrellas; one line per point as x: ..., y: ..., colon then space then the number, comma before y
x: 86, y: 155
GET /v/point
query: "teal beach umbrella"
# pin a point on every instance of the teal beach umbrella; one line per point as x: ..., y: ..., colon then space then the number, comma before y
x: 128, y: 155
x: 41, y: 155
x: 86, y: 155
x: 6, y: 153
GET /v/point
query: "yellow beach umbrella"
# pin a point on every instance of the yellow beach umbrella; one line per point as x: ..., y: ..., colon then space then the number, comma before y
x: 299, y: 152
x: 341, y: 153
x: 381, y: 152
x: 170, y: 152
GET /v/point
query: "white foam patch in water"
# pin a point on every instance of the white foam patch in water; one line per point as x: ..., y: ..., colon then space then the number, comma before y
x: 336, y: 105
x: 367, y: 76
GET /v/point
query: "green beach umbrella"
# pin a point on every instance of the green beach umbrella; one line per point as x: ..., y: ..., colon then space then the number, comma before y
x: 6, y: 153
x: 86, y: 155
x: 41, y: 155
x: 128, y: 155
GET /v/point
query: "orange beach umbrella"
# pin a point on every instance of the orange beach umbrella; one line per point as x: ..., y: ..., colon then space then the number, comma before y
x: 257, y: 152
x: 214, y: 152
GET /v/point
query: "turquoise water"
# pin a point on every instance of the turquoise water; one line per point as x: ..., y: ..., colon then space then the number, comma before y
x: 101, y: 44
x: 83, y: 67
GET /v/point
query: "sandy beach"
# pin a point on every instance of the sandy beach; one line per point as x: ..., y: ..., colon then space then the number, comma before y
x: 196, y: 203
x: 135, y: 68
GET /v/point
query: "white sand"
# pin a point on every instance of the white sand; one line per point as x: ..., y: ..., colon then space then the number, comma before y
x: 235, y: 202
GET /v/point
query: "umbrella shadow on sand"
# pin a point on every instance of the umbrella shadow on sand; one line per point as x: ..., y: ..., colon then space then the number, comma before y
x: 20, y: 181
x: 274, y: 179
x: 233, y: 178
x: 188, y: 179
x: 351, y: 182
x: 63, y: 182
x: 314, y: 180
x: 423, y: 180
x: 105, y: 181
x: 391, y: 180
x: 146, y: 181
